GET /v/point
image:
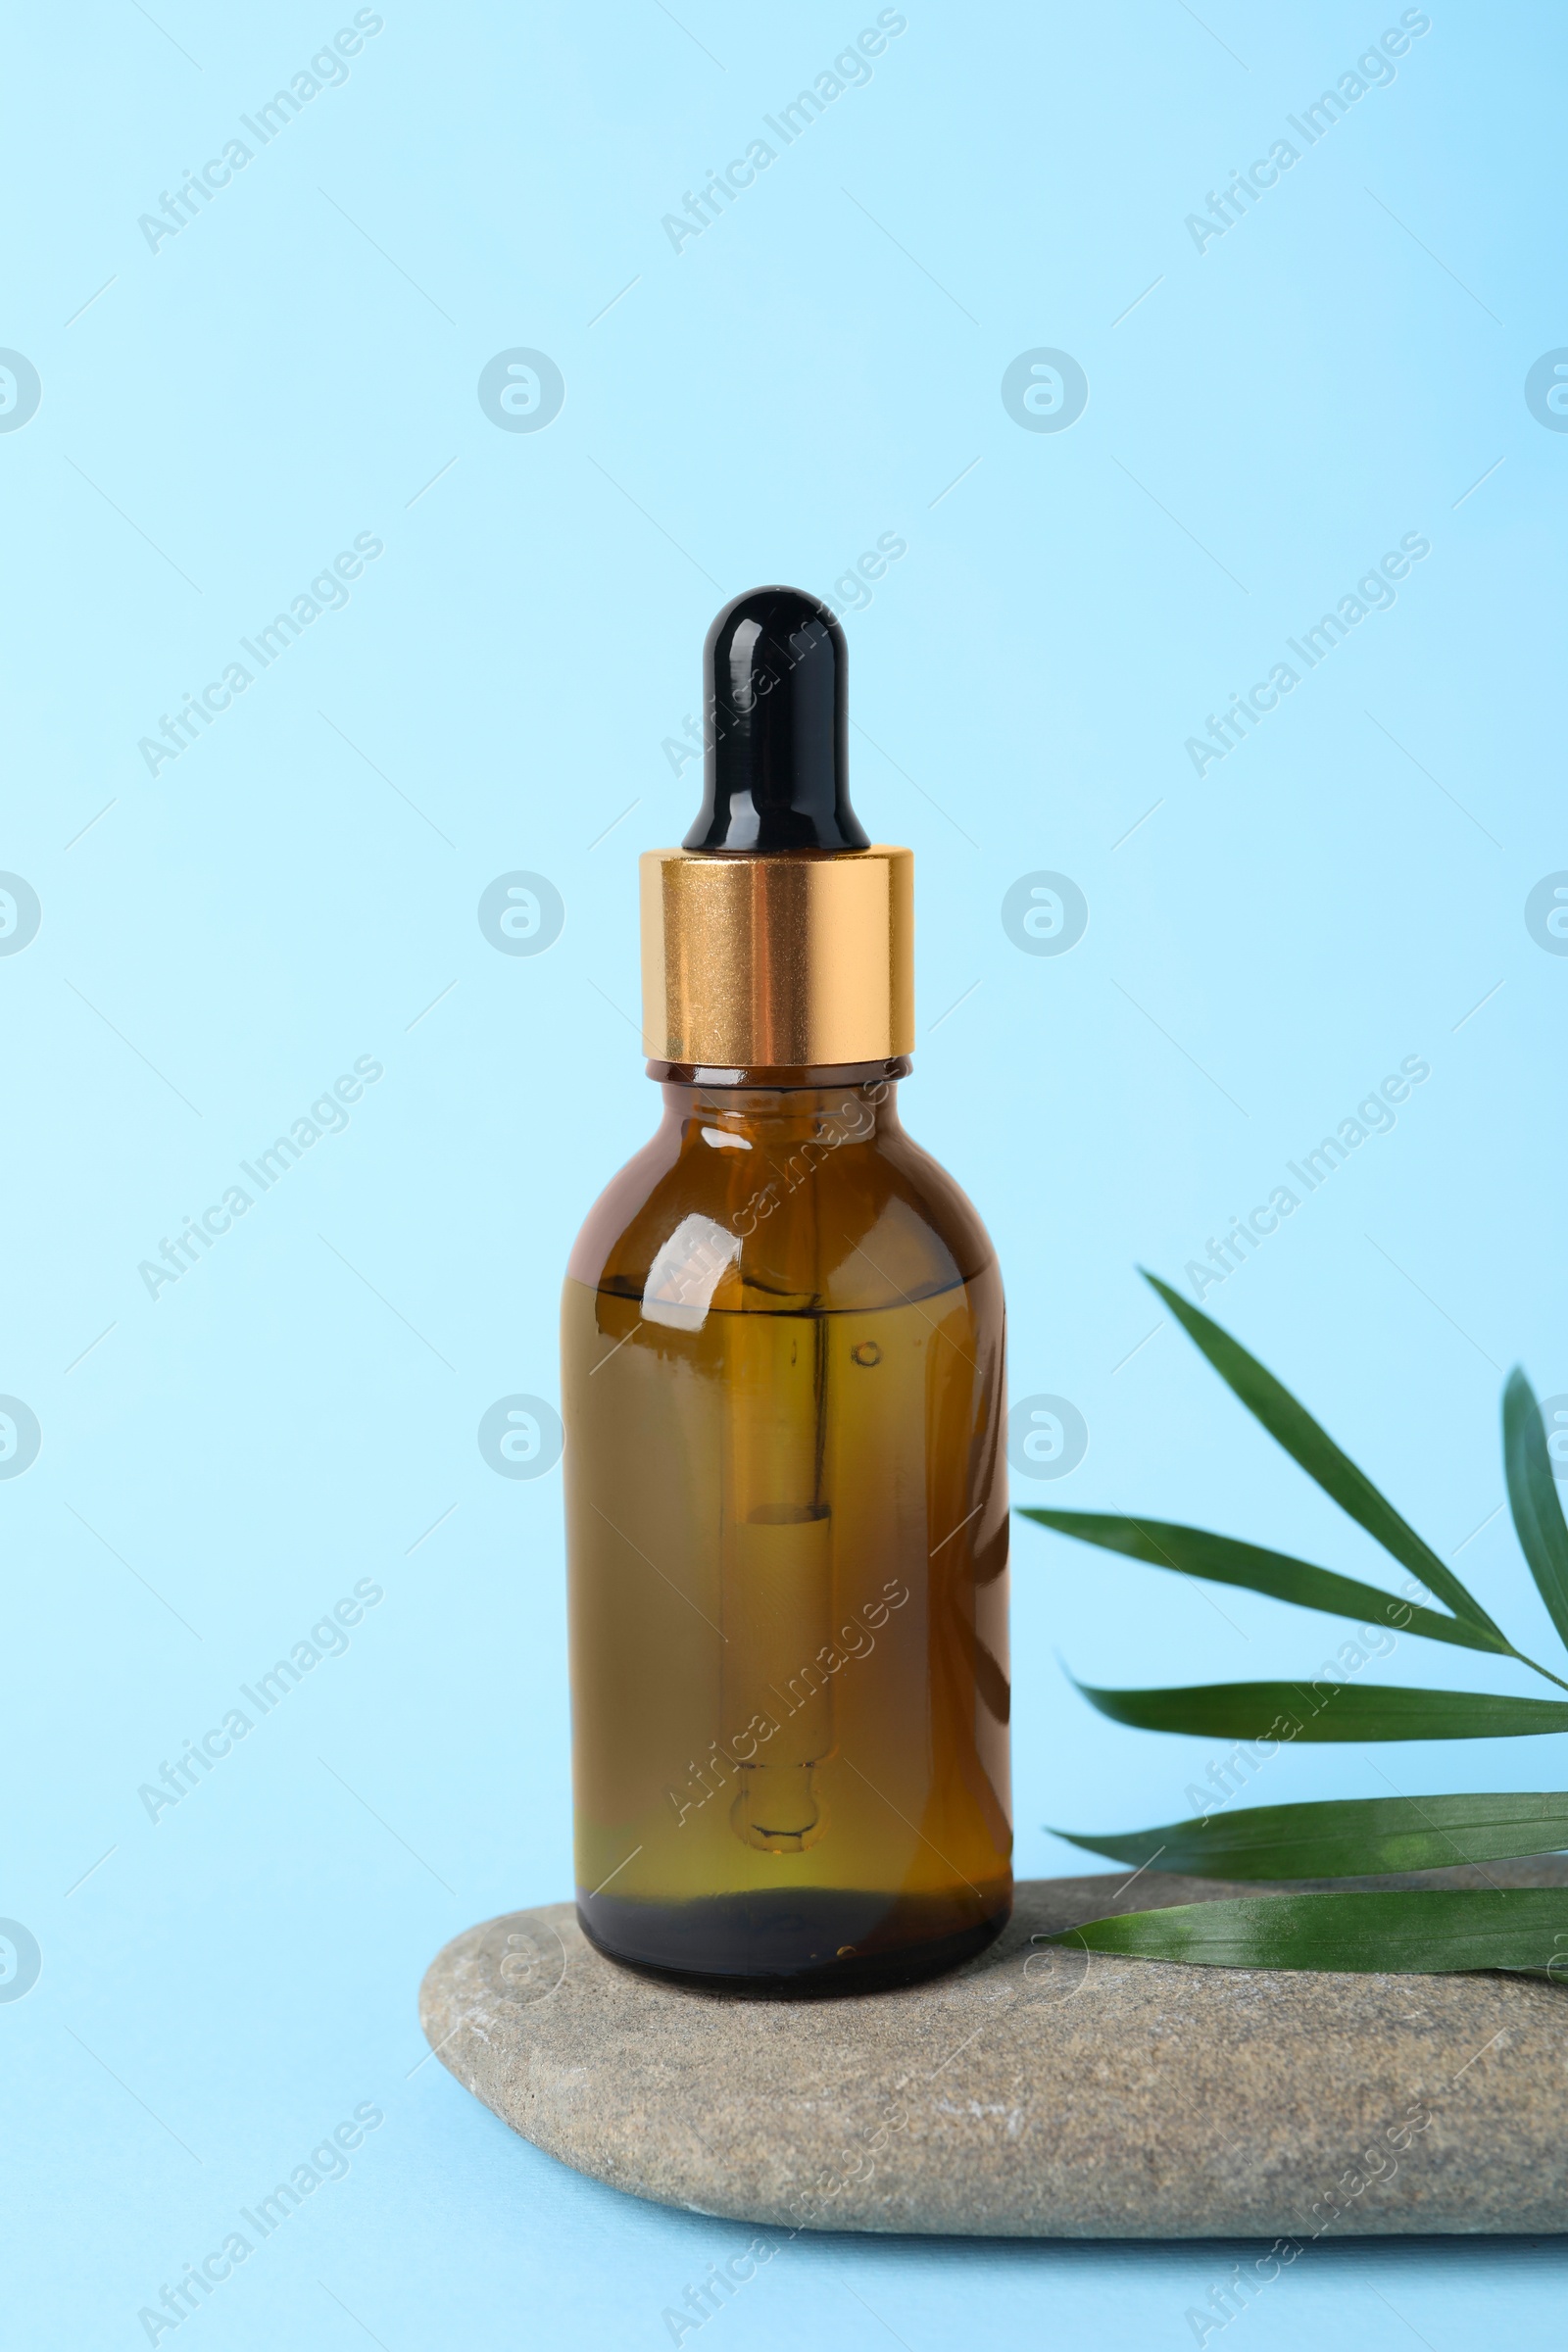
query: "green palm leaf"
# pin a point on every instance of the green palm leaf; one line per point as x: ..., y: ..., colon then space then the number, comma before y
x: 1398, y: 1930
x: 1327, y: 1710
x: 1292, y: 1427
x: 1417, y: 1931
x: 1222, y: 1560
x: 1344, y: 1838
x: 1533, y: 1497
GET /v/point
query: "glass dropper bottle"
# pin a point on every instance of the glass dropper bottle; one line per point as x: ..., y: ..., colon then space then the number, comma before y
x: 783, y: 1391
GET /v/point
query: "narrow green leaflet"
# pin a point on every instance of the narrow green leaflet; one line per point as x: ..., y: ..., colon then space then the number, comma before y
x: 1346, y: 1839
x: 1416, y: 1931
x: 1534, y: 1499
x: 1291, y: 1426
x: 1194, y: 1551
x: 1328, y: 1710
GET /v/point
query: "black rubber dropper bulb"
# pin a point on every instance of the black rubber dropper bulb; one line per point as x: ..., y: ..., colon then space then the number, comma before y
x: 776, y: 774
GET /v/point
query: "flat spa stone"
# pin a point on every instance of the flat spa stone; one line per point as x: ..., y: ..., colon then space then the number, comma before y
x: 1033, y: 2093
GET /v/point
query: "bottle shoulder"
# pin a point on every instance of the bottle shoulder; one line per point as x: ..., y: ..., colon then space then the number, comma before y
x: 844, y: 1210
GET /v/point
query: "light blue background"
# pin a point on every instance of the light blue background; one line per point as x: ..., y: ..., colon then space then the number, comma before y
x: 295, y: 889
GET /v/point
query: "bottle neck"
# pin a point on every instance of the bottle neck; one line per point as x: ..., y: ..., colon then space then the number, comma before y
x: 832, y: 1106
x: 779, y: 1080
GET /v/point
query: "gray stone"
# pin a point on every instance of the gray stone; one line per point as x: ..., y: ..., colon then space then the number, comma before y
x: 1033, y: 2093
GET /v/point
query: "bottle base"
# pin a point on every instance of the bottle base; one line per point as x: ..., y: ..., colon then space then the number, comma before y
x: 814, y: 1943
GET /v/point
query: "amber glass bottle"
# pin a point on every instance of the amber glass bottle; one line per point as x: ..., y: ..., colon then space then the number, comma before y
x: 783, y: 1393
